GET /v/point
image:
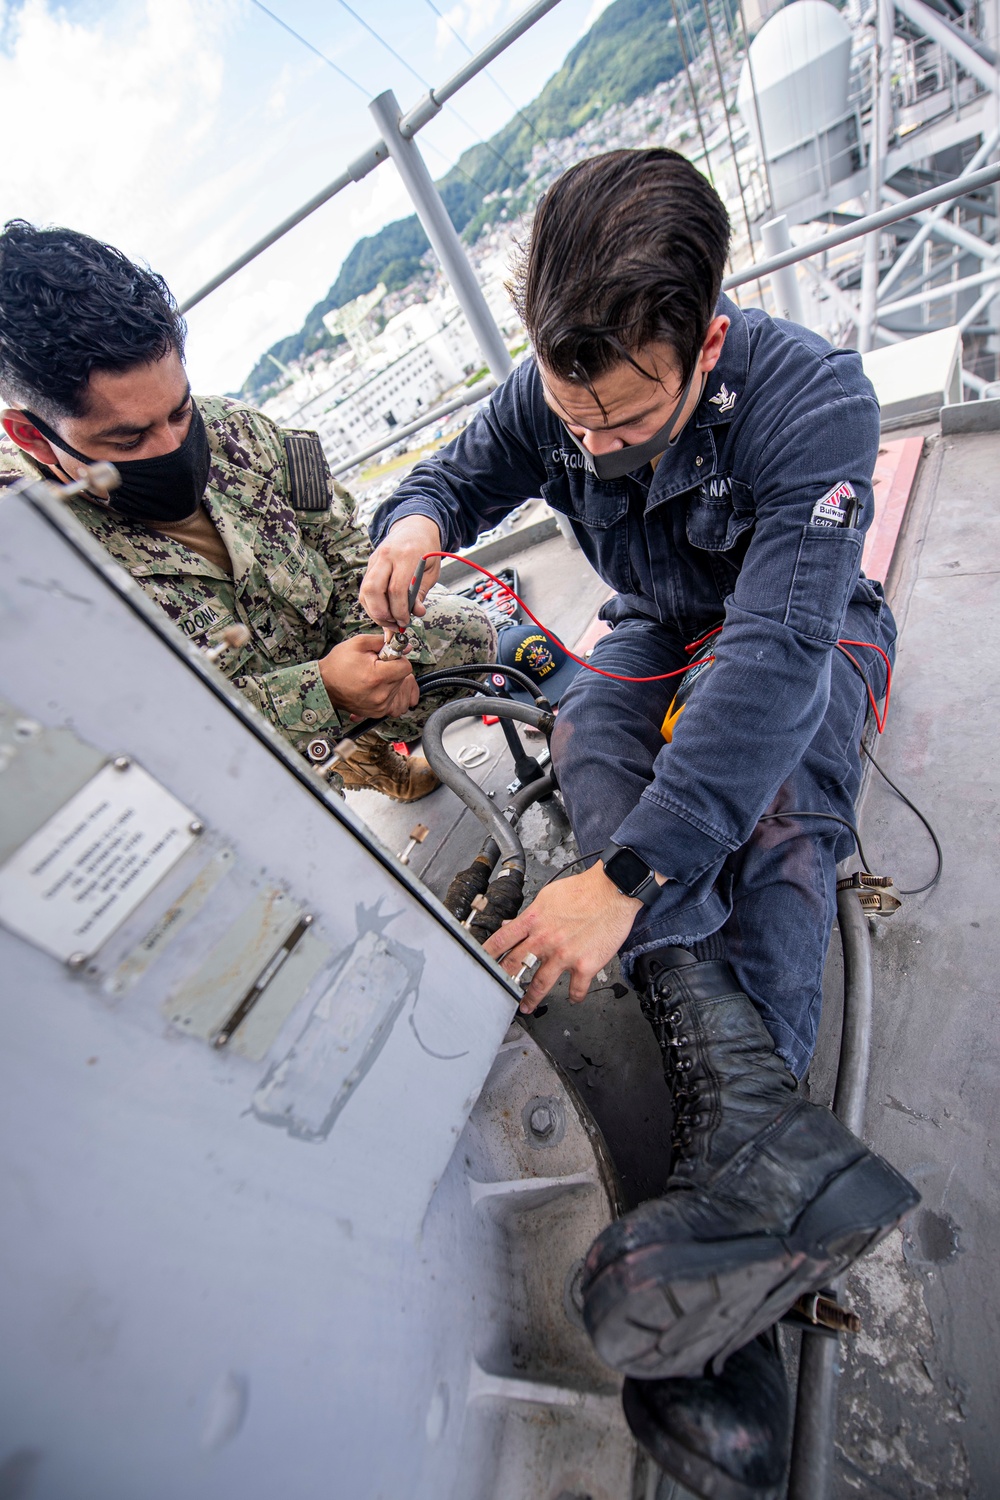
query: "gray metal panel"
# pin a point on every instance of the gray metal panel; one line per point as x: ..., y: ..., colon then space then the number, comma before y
x: 971, y: 416
x: 194, y: 1301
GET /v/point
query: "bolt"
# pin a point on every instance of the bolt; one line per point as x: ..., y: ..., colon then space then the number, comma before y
x: 541, y: 1120
x: 477, y: 904
x: 195, y: 827
x: 417, y: 836
x: 121, y: 763
x: 76, y: 960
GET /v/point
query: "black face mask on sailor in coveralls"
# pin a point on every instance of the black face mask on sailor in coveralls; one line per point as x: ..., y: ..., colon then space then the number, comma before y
x: 162, y: 490
x: 626, y: 460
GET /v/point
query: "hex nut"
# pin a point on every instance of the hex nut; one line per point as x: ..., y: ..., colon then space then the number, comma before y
x: 543, y: 1120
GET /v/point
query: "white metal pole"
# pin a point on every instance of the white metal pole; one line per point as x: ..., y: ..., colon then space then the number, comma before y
x: 785, y: 287
x: 951, y: 39
x: 442, y: 234
x: 909, y: 251
x: 425, y: 110
x: 947, y: 192
x: 877, y: 150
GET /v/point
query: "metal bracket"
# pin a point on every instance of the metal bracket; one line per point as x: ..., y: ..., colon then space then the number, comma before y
x: 876, y: 893
x: 822, y: 1314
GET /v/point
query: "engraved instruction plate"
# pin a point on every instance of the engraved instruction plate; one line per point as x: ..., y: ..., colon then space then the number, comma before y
x: 89, y: 866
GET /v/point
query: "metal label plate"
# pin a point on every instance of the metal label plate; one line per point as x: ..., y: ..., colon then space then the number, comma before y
x: 90, y: 865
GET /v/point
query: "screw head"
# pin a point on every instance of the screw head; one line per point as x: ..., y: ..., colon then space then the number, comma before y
x: 195, y: 826
x: 121, y: 762
x: 541, y: 1120
x: 76, y: 960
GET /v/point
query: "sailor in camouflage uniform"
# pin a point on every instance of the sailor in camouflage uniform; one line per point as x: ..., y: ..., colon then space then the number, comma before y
x: 274, y: 545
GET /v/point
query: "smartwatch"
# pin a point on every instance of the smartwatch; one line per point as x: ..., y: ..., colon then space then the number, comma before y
x: 630, y: 873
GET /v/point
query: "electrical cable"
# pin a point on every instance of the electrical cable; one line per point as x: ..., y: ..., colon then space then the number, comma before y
x: 445, y: 676
x: 797, y: 812
x: 452, y: 166
x: 920, y: 889
x: 499, y: 87
x: 678, y: 671
x: 660, y: 677
x: 692, y: 91
x: 566, y: 868
x: 321, y: 55
x: 420, y: 79
x: 525, y: 682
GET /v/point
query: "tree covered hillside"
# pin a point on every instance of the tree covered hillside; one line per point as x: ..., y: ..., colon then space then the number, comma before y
x: 631, y: 47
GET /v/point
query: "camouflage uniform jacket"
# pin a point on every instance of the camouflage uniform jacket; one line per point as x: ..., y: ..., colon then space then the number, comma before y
x: 296, y: 575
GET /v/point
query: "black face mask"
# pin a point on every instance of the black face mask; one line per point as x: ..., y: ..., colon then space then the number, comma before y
x: 626, y: 460
x: 162, y: 490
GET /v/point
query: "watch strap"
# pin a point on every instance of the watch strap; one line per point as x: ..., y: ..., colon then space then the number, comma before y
x: 646, y: 890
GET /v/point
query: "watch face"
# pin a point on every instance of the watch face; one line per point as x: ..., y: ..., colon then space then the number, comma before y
x: 627, y: 870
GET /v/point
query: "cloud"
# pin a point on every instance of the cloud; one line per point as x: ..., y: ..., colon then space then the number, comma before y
x: 109, y: 113
x: 182, y: 131
x: 595, y: 10
x: 471, y: 18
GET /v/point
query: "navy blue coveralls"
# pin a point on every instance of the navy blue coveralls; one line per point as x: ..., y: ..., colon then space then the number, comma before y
x: 724, y: 529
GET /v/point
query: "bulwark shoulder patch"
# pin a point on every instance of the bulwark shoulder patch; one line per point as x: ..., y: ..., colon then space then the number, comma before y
x: 838, y: 507
x: 308, y: 471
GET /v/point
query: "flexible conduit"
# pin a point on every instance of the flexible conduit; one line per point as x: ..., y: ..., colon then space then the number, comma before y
x: 460, y: 782
x: 811, y: 1474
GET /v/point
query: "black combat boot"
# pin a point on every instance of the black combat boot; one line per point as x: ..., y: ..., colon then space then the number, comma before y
x: 769, y: 1196
x: 724, y: 1437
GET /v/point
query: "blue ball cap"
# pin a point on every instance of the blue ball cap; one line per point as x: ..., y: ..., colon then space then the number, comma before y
x: 537, y: 655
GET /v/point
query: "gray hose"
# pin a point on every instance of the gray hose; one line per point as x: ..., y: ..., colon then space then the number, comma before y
x: 441, y: 763
x: 811, y: 1476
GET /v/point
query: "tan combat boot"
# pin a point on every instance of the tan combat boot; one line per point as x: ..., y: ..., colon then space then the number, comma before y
x: 376, y: 767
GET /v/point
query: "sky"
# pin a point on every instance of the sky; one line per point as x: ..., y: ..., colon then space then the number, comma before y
x: 181, y: 131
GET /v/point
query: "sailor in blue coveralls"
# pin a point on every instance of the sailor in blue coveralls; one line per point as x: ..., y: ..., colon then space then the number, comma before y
x: 716, y: 466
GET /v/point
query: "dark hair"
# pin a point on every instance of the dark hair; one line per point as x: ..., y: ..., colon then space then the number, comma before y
x: 627, y: 249
x: 70, y: 305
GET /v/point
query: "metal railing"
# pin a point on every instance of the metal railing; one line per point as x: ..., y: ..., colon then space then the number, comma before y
x: 894, y: 214
x: 871, y: 223
x: 430, y: 105
x: 471, y: 397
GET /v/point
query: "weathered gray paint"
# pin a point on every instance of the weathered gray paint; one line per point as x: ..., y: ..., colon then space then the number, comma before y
x: 195, y: 1303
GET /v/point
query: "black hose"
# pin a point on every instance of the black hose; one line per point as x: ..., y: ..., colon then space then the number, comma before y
x: 526, y: 683
x: 473, y: 880
x: 441, y: 678
x: 811, y: 1475
x: 468, y: 884
x: 503, y: 902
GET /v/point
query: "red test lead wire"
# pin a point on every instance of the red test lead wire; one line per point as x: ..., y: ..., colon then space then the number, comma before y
x: 616, y: 676
x: 679, y: 671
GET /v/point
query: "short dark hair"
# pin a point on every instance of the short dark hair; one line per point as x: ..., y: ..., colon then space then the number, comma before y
x: 627, y: 249
x: 70, y: 305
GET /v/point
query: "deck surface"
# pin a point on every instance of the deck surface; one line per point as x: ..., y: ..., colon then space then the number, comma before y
x: 921, y: 1391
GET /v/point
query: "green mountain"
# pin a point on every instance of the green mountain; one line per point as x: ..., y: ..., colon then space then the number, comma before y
x: 630, y: 48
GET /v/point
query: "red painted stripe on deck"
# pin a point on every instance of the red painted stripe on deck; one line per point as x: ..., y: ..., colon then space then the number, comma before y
x: 895, y: 472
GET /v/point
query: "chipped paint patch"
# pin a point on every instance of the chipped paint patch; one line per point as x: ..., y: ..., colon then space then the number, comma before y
x: 900, y: 1428
x: 349, y: 1025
